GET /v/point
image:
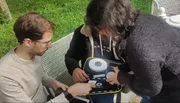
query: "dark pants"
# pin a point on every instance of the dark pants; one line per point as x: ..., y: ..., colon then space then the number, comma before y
x: 102, y: 98
x: 145, y: 99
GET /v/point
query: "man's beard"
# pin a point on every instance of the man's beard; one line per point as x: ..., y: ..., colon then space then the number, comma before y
x: 41, y: 53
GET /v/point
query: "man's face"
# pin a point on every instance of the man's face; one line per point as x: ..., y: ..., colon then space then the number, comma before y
x: 42, y: 45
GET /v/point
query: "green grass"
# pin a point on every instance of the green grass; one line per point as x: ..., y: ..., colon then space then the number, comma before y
x: 143, y: 5
x: 66, y: 14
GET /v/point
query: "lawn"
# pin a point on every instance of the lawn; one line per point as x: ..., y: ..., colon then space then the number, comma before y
x: 66, y: 14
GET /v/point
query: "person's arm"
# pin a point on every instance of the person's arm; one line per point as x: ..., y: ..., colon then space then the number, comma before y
x: 125, y: 67
x: 78, y: 89
x: 75, y: 51
x: 47, y: 80
x: 11, y: 91
x: 144, y: 61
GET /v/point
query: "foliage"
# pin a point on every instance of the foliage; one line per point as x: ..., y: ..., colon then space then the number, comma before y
x: 66, y: 14
x: 3, y: 18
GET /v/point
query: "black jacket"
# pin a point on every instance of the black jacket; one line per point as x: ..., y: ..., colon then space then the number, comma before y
x: 81, y: 48
x: 153, y: 50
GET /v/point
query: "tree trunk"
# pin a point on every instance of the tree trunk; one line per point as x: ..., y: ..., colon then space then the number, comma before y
x: 4, y: 9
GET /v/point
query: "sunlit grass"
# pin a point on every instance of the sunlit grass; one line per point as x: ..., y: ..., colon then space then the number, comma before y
x: 66, y: 14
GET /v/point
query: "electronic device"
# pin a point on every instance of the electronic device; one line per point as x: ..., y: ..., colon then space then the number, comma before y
x: 99, y: 70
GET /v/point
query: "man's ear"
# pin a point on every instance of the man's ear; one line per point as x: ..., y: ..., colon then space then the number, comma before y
x: 28, y: 42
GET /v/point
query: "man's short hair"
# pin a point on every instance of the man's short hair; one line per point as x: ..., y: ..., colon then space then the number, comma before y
x: 32, y: 25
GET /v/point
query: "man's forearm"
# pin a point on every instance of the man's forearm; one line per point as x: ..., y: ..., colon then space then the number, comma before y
x: 47, y: 80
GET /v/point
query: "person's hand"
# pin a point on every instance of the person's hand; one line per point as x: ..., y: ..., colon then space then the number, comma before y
x: 113, y: 79
x: 80, y: 89
x: 79, y: 75
x: 55, y: 85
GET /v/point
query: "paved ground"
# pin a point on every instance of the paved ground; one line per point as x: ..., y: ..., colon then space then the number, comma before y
x: 130, y: 98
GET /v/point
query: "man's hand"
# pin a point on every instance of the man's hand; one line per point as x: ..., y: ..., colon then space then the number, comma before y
x: 55, y: 85
x: 79, y: 75
x: 80, y: 89
x: 113, y: 79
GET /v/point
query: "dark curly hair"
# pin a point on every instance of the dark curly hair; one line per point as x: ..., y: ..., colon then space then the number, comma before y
x: 116, y: 15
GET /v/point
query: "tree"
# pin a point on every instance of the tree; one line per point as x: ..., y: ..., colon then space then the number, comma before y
x: 5, y: 10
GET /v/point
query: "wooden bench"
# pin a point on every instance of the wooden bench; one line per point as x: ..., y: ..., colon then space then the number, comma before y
x: 54, y: 65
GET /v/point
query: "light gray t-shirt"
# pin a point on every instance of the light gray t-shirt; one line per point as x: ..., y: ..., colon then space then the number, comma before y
x: 22, y: 80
